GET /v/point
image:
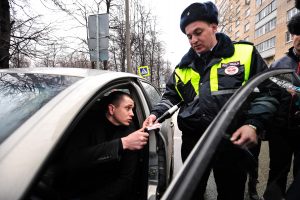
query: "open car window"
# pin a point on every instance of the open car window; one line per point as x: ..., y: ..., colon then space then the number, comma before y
x: 154, y: 95
x: 283, y: 86
x: 47, y: 184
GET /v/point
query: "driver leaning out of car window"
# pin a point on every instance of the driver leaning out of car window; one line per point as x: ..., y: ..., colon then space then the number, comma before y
x: 101, y: 158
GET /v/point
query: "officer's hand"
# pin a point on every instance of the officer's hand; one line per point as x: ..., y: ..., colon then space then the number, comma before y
x: 136, y: 140
x: 245, y: 136
x: 149, y: 121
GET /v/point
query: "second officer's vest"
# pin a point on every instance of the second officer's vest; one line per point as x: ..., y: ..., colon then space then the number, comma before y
x: 242, y: 57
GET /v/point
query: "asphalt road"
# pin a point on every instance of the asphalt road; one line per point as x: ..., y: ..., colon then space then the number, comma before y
x: 211, y: 193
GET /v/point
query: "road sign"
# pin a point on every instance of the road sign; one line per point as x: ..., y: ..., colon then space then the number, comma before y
x: 98, y: 27
x: 103, y: 43
x: 144, y: 71
x: 103, y: 25
x: 103, y: 55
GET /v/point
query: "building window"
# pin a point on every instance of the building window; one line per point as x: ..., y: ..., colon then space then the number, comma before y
x: 237, y: 35
x: 266, y: 45
x: 288, y: 37
x: 266, y: 11
x: 258, y: 2
x: 237, y: 22
x: 247, y: 27
x: 230, y: 29
x: 291, y: 13
x: 247, y: 2
x: 247, y: 12
x: 247, y: 38
x: 238, y: 9
x: 267, y: 27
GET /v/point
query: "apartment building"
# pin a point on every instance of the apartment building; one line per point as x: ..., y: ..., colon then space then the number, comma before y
x: 262, y: 22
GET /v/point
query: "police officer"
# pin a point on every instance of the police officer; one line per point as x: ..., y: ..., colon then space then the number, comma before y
x: 207, y: 75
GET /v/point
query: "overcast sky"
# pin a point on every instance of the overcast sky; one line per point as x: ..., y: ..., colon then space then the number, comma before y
x: 168, y: 14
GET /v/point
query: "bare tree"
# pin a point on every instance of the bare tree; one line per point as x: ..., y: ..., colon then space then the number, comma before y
x: 142, y: 31
x: 75, y: 59
x: 149, y: 50
x: 19, y: 60
x: 32, y: 39
x: 5, y: 25
x: 117, y: 39
x: 21, y: 32
x: 79, y: 11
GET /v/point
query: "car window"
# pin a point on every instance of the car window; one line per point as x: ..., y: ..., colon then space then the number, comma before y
x: 152, y: 93
x: 23, y: 94
x: 53, y: 182
x: 251, y: 102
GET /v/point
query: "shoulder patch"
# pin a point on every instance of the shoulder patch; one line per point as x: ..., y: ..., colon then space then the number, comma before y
x: 243, y: 42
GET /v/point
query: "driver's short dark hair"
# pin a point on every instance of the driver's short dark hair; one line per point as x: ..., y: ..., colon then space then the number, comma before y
x: 114, y: 98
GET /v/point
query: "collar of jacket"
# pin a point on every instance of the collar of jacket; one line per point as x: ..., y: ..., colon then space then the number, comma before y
x: 223, y: 49
x: 292, y: 54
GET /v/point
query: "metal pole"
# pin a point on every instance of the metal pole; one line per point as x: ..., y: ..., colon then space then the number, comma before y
x: 97, y: 40
x: 128, y: 50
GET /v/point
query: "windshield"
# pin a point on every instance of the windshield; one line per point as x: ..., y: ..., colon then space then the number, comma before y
x: 21, y: 95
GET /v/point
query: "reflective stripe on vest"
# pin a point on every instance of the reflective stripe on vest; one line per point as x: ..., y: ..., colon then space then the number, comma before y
x: 185, y: 75
x: 242, y: 53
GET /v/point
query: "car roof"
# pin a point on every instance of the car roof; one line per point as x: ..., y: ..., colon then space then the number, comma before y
x: 79, y: 72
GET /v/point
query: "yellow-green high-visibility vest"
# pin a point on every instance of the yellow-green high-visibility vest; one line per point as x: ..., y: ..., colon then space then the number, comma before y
x: 242, y: 53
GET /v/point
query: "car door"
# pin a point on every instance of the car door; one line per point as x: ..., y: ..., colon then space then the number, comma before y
x: 160, y: 148
x: 152, y: 165
x: 184, y: 184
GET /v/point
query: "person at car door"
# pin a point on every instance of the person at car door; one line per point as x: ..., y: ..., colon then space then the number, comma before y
x: 284, y: 135
x: 207, y: 75
x: 101, y: 160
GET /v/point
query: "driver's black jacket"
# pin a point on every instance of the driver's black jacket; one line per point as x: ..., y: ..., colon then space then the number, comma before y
x: 197, y: 113
x: 95, y: 165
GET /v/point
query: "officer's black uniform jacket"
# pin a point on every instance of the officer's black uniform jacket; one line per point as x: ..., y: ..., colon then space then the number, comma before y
x: 195, y: 116
x: 95, y: 164
x: 285, y: 117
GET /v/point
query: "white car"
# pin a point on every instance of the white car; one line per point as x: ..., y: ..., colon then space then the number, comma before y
x: 39, y: 108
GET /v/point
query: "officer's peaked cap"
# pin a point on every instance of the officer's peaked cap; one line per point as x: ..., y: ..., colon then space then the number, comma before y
x: 206, y: 11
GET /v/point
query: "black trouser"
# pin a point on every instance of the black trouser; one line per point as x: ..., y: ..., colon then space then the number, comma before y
x: 282, y: 146
x: 293, y: 192
x: 253, y: 170
x: 228, y: 166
